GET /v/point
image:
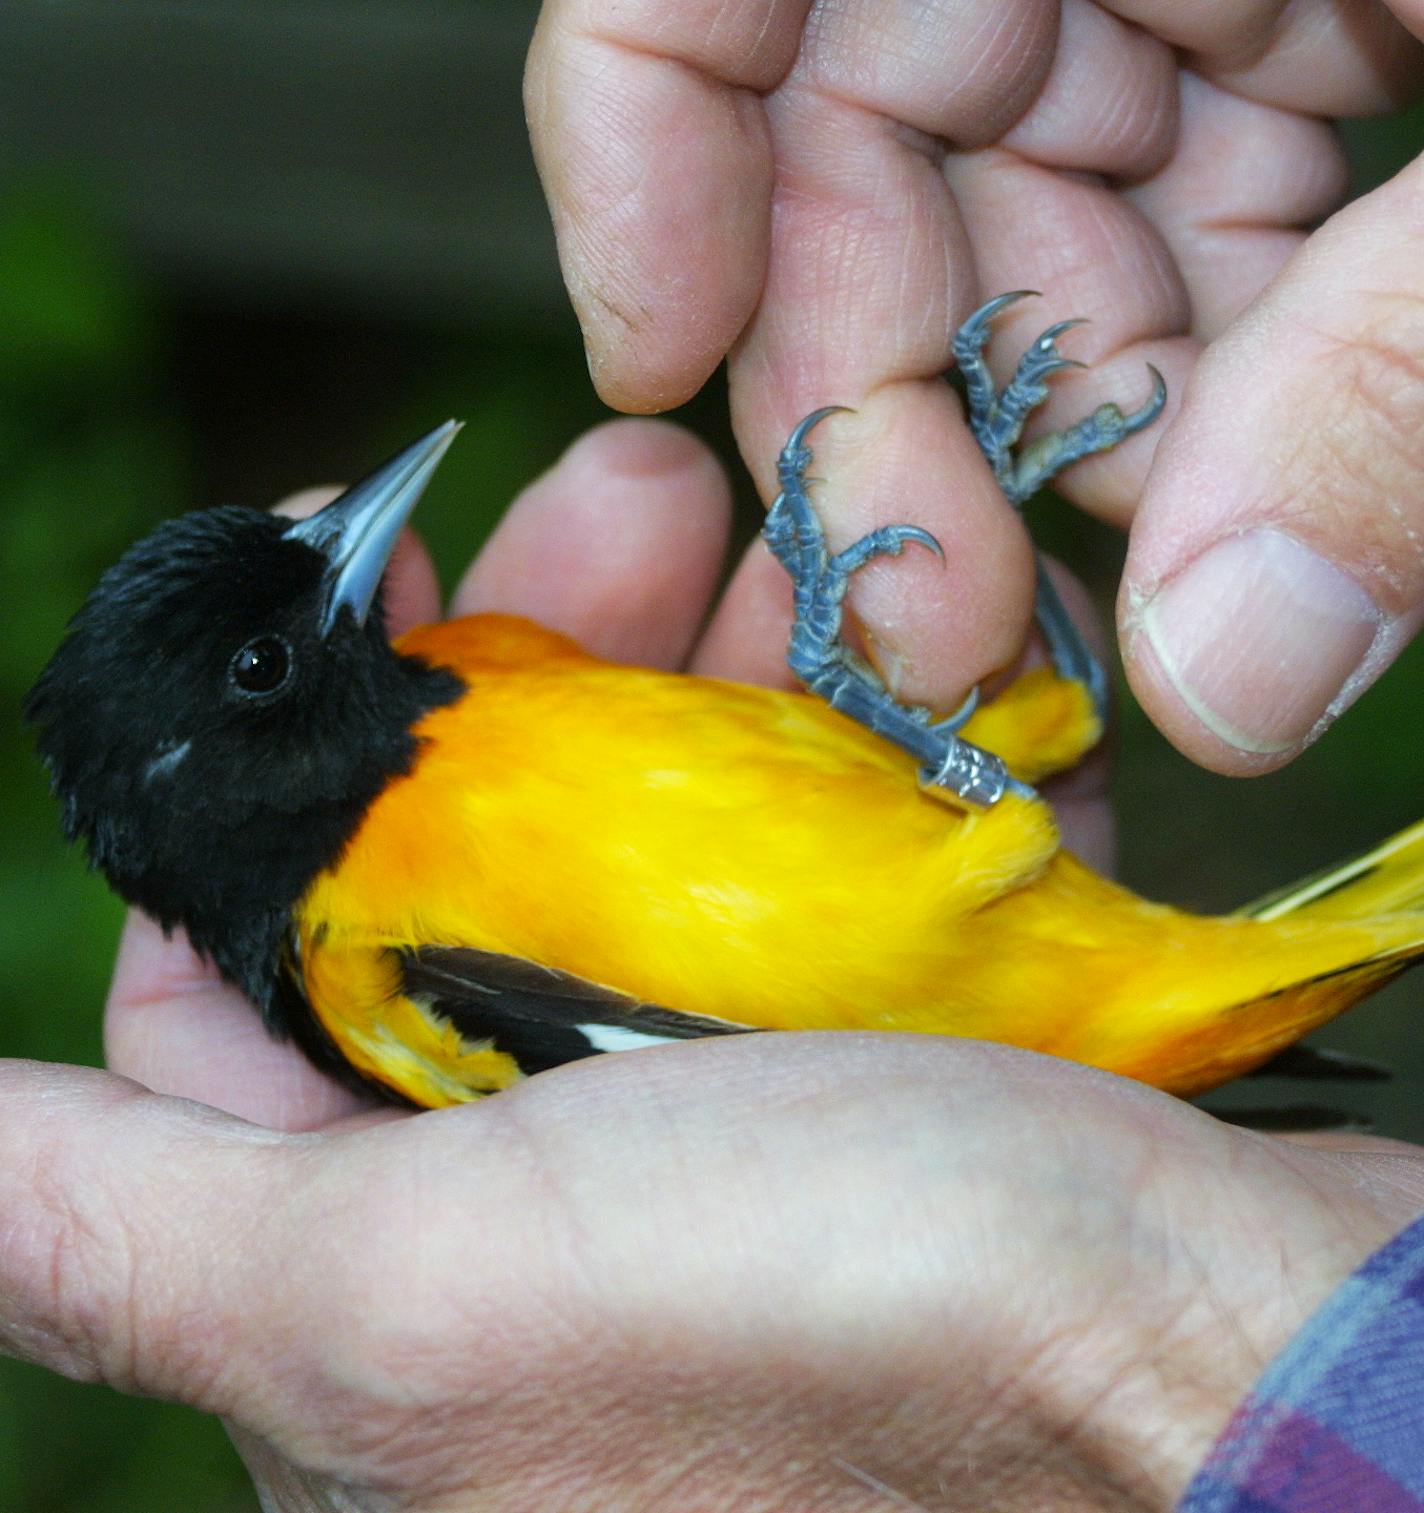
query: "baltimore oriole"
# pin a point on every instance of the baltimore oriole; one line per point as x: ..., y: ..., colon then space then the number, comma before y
x: 446, y: 863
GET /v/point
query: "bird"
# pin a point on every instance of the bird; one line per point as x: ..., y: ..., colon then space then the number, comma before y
x: 446, y: 862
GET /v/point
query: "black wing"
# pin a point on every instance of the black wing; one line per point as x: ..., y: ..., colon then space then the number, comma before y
x: 540, y: 1016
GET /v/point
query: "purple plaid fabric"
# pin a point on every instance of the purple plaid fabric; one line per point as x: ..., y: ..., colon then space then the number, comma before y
x: 1336, y: 1425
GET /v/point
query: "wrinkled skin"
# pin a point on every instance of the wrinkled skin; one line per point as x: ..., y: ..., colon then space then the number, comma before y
x: 833, y: 1272
x: 817, y: 1272
x: 823, y: 191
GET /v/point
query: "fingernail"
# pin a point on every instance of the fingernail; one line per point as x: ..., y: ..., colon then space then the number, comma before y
x: 1258, y: 636
x: 890, y: 664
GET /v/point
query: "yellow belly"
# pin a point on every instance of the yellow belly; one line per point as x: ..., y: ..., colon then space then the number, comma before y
x: 751, y: 855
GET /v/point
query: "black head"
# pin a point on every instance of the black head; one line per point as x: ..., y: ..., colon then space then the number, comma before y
x: 225, y: 706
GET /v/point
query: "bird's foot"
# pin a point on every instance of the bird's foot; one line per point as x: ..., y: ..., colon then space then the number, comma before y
x: 817, y: 653
x: 996, y: 418
x: 829, y: 668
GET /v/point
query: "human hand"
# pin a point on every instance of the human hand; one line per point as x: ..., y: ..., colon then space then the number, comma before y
x: 790, y: 1271
x: 840, y: 1272
x: 773, y: 183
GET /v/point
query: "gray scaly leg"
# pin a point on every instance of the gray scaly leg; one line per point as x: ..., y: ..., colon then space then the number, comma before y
x: 828, y: 667
x: 818, y: 655
x: 997, y: 418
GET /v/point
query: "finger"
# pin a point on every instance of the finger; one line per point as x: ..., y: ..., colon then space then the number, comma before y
x: 1274, y: 568
x: 746, y: 640
x: 1224, y: 28
x: 869, y: 272
x: 651, y: 142
x: 175, y: 1026
x: 1081, y: 797
x: 1109, y: 104
x: 746, y: 637
x: 163, y: 1247
x: 1094, y: 256
x: 960, y: 70
x: 1325, y: 58
x: 117, y: 1235
x: 858, y: 311
x: 1240, y: 182
x: 307, y: 502
x: 619, y: 545
x: 410, y: 589
x: 1320, y: 57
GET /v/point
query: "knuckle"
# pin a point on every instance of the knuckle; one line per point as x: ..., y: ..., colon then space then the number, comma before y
x: 1381, y: 369
x: 116, y: 1294
x: 1358, y: 473
x: 81, y: 1257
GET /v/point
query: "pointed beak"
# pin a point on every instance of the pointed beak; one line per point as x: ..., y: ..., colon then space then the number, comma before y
x: 357, y: 532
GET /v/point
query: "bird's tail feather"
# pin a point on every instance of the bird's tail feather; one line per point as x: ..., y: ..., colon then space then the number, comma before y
x: 1387, y: 880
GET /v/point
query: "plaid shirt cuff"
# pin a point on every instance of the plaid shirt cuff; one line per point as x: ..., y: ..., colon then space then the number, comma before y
x: 1336, y: 1424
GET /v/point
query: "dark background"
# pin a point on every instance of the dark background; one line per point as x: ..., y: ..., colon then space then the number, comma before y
x: 247, y: 248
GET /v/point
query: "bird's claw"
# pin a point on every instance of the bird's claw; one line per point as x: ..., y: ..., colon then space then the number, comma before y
x: 1099, y: 432
x: 954, y: 723
x: 997, y: 419
x: 818, y: 655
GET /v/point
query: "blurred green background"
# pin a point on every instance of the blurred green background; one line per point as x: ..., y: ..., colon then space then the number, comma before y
x: 246, y: 248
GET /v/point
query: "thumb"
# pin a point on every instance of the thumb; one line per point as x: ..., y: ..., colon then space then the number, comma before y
x: 1276, y: 565
x: 121, y: 1256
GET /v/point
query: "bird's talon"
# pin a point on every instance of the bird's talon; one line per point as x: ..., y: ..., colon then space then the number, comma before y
x: 914, y: 534
x: 997, y: 417
x: 796, y: 442
x: 1051, y: 335
x: 976, y: 328
x: 820, y: 658
x: 1144, y: 415
x: 954, y: 723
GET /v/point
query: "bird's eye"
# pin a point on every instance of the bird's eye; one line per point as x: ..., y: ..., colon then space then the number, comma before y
x: 262, y: 666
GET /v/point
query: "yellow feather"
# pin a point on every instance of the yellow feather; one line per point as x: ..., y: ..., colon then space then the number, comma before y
x: 752, y: 855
